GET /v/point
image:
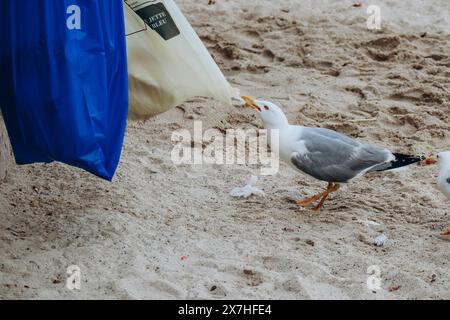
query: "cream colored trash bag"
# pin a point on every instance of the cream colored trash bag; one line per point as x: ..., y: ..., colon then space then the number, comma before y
x: 167, y: 61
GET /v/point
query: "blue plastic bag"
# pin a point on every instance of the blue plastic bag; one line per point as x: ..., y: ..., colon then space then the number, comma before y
x: 63, y: 81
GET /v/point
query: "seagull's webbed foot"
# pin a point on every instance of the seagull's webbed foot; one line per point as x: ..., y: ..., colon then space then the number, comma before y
x: 332, y: 187
x: 308, y: 201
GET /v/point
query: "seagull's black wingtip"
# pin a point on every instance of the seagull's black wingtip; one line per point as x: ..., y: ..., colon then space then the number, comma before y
x: 402, y: 160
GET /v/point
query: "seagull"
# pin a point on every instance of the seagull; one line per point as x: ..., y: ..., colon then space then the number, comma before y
x: 443, y: 161
x: 325, y: 154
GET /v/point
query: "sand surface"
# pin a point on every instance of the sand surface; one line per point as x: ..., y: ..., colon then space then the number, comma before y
x: 165, y: 231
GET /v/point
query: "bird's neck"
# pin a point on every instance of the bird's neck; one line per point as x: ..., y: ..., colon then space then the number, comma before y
x: 278, y: 135
x: 281, y: 123
x: 444, y: 169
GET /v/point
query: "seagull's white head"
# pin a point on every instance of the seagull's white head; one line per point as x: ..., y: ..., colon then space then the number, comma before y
x: 443, y: 160
x: 271, y: 114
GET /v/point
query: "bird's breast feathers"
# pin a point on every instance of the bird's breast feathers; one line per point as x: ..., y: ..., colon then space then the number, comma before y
x: 444, y: 184
x: 291, y: 142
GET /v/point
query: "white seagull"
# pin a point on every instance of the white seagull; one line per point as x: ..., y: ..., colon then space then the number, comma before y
x: 325, y: 154
x: 443, y: 160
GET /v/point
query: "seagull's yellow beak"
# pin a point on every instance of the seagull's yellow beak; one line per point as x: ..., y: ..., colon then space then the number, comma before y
x: 250, y: 103
x: 430, y: 160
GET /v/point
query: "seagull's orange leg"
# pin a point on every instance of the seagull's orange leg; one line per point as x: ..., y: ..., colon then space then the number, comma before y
x: 308, y: 201
x: 330, y: 189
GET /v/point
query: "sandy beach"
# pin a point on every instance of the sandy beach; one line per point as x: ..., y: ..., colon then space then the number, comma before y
x: 166, y: 231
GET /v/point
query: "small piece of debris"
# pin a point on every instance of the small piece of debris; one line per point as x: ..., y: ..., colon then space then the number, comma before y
x: 184, y: 258
x: 381, y: 240
x: 56, y: 281
x: 368, y: 223
x: 310, y: 242
x: 394, y: 288
x: 357, y: 5
x: 288, y: 229
x: 213, y: 288
x: 249, y: 272
x: 433, y: 278
x: 248, y: 189
x: 444, y: 235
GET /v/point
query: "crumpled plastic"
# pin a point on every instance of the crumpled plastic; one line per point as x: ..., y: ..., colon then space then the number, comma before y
x: 248, y: 190
x: 381, y: 240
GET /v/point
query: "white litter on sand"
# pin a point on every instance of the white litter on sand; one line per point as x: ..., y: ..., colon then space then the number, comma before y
x: 368, y: 223
x: 248, y: 190
x: 381, y: 240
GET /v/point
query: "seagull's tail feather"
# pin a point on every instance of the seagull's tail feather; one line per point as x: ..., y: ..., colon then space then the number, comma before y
x: 401, y: 160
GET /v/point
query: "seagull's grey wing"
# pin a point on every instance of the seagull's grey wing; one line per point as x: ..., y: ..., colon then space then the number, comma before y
x: 330, y: 156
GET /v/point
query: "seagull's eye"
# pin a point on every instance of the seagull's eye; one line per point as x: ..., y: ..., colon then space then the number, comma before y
x: 266, y: 107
